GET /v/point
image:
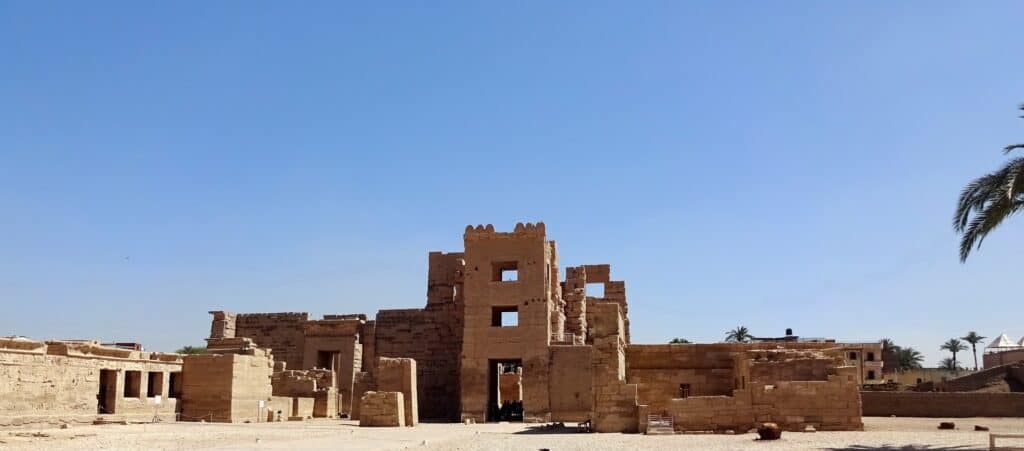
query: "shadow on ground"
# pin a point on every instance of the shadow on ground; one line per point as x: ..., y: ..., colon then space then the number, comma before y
x: 906, y: 448
x: 548, y: 429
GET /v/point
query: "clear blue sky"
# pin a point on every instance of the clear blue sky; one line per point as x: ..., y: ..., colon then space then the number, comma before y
x: 769, y: 165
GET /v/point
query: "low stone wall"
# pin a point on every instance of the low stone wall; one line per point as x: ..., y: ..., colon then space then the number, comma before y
x: 379, y: 408
x: 938, y: 404
x: 78, y: 382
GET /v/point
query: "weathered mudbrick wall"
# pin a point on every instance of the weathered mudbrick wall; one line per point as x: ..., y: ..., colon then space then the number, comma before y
x: 1003, y: 375
x: 939, y: 404
x: 282, y: 333
x: 68, y: 382
x: 1002, y: 358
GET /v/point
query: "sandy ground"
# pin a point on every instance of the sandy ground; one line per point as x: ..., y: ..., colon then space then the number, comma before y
x: 880, y: 434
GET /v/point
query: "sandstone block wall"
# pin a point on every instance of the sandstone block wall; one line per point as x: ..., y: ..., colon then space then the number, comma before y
x: 615, y: 400
x: 316, y: 384
x: 382, y: 409
x: 338, y: 338
x: 510, y: 387
x: 571, y: 391
x: 227, y: 387
x: 941, y: 405
x: 533, y: 294
x: 433, y: 338
x: 282, y: 333
x: 399, y: 375
x: 60, y: 382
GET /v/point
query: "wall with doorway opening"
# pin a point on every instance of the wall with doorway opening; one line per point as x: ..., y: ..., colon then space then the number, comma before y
x: 74, y: 382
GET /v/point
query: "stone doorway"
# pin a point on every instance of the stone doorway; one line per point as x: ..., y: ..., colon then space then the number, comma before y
x: 505, y: 375
x: 106, y: 398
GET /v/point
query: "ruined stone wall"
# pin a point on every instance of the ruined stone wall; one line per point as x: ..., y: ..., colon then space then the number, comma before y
x: 659, y: 370
x: 227, y: 387
x: 338, y: 338
x: 433, y: 338
x: 315, y: 384
x: 282, y: 333
x: 378, y: 408
x: 575, y: 296
x: 942, y: 405
x: 59, y: 382
x: 799, y: 368
x: 399, y: 375
x: 615, y: 400
x: 444, y: 277
x: 485, y: 344
x: 829, y: 404
x: 571, y: 391
x: 614, y: 291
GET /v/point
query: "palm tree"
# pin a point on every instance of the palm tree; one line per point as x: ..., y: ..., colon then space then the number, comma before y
x: 739, y: 334
x: 988, y: 200
x: 948, y: 364
x: 973, y: 338
x: 192, y: 350
x: 909, y: 358
x: 954, y: 346
x: 679, y: 340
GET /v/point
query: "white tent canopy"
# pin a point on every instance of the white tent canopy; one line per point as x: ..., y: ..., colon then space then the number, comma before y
x: 1003, y: 342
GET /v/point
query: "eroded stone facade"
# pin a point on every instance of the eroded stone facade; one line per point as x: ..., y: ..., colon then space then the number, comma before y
x: 502, y: 336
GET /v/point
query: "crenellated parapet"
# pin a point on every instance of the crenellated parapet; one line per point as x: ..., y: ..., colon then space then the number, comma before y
x: 521, y: 230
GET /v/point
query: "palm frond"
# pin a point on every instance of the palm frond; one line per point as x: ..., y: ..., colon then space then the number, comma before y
x: 1012, y: 147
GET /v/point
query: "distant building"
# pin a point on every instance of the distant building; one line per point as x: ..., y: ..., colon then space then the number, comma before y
x: 1003, y: 350
x: 867, y: 356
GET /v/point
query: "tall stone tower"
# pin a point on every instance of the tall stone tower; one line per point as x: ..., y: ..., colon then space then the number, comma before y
x: 512, y: 307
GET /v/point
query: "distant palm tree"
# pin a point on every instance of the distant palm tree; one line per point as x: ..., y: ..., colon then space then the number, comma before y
x: 988, y: 200
x: 948, y: 364
x: 954, y: 346
x: 192, y: 350
x: 739, y: 334
x: 909, y: 358
x: 679, y: 340
x: 973, y: 338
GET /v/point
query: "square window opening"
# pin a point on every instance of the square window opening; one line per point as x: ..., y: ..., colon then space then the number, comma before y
x: 132, y: 384
x: 156, y: 384
x: 871, y: 375
x: 504, y: 271
x: 505, y: 316
x: 853, y: 356
x: 871, y: 357
x: 595, y: 290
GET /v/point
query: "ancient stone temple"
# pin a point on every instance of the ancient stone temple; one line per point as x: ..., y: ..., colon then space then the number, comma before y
x: 501, y: 336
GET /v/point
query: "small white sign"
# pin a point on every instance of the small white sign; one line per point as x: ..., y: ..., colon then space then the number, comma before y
x: 262, y: 403
x: 158, y: 399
